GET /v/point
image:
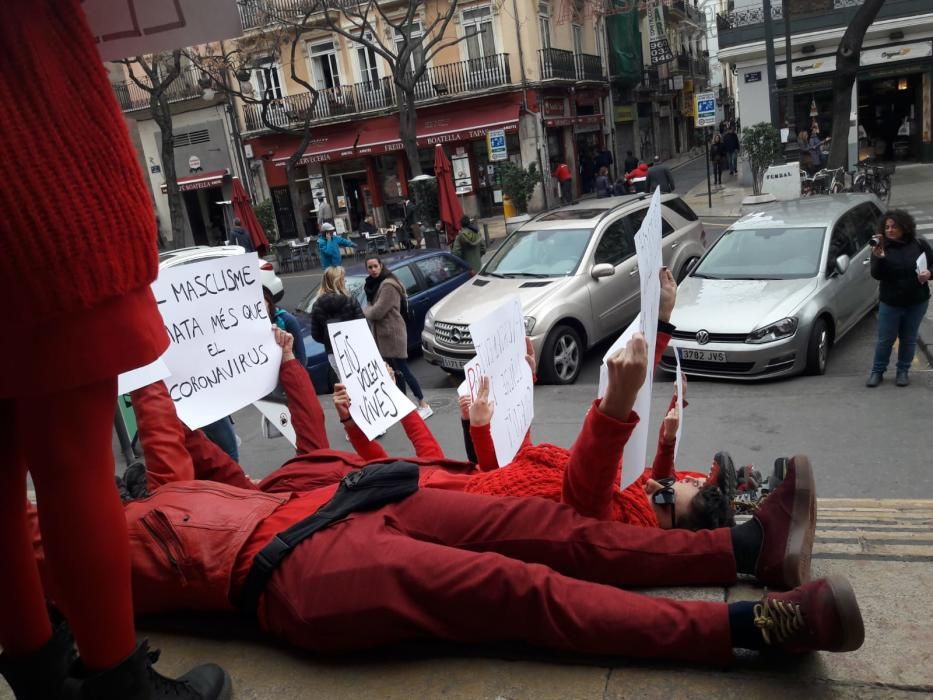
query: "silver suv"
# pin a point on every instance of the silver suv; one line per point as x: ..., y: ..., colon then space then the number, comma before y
x: 576, y: 273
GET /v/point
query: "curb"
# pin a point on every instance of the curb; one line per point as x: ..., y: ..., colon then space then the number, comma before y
x: 687, y: 162
x: 926, y: 331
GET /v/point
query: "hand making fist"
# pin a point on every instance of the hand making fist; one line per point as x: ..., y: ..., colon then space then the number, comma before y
x: 285, y: 341
x: 670, y: 425
x: 626, y: 369
x: 342, y: 401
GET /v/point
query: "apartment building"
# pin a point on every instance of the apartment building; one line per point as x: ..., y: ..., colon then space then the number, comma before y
x: 892, y: 102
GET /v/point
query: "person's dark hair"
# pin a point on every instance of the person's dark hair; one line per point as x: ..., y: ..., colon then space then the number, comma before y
x: 709, y: 509
x: 236, y: 222
x: 386, y: 272
x: 902, y: 219
x: 464, y: 220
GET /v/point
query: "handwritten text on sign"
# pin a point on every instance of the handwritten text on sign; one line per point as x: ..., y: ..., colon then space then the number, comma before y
x: 499, y: 339
x: 376, y: 403
x: 222, y: 355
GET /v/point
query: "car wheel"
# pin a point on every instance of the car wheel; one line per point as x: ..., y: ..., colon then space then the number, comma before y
x: 562, y: 356
x: 685, y: 270
x: 818, y: 348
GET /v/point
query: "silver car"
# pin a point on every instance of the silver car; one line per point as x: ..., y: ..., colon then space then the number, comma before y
x: 780, y: 286
x: 575, y: 271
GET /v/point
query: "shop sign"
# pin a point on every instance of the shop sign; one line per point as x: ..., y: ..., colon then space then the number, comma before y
x: 155, y: 169
x: 625, y: 113
x: 463, y: 181
x: 827, y: 64
x: 571, y: 121
x: 585, y: 128
x: 554, y: 107
x: 753, y: 77
x: 658, y: 45
x: 903, y: 52
x: 194, y: 163
x: 495, y: 142
x: 678, y: 82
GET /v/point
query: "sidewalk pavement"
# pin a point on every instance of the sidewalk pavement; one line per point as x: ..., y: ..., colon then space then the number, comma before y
x: 726, y: 199
x: 884, y: 547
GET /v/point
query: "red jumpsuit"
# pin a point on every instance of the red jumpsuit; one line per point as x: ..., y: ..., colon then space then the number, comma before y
x: 440, y: 564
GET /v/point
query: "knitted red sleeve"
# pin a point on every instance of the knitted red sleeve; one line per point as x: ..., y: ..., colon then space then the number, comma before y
x: 481, y: 435
x: 594, y: 461
x: 303, y: 403
x: 423, y: 440
x: 368, y: 449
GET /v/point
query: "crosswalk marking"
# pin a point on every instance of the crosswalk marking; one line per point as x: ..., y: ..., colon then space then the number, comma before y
x: 869, y: 529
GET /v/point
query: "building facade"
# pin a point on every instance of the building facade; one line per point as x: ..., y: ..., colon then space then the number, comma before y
x: 892, y: 101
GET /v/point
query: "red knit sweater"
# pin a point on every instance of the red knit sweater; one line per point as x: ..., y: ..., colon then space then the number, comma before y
x: 78, y: 225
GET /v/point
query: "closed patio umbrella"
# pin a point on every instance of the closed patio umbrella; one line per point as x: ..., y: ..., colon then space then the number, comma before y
x: 447, y: 202
x: 243, y: 210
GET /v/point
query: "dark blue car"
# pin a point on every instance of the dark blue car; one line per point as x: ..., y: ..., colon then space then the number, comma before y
x: 428, y: 276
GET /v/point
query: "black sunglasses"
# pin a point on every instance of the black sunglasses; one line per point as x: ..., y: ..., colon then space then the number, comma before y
x: 665, y: 497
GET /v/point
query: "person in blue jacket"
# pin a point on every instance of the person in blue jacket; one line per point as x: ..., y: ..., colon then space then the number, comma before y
x: 329, y: 245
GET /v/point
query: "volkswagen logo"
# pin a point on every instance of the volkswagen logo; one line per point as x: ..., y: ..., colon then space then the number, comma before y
x: 455, y: 335
x: 702, y: 337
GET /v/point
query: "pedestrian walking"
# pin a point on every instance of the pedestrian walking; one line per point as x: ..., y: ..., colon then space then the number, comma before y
x: 387, y: 313
x: 325, y: 213
x: 730, y: 142
x: 329, y: 245
x: 904, y: 289
x: 240, y: 236
x: 716, y: 156
x: 659, y: 175
x: 565, y: 181
x: 334, y: 304
x: 469, y: 245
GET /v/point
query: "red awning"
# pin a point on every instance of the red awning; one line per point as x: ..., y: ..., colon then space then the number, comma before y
x: 449, y: 123
x: 199, y: 181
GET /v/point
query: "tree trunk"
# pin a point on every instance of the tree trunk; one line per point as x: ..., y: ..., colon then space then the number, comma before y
x: 161, y: 113
x: 847, y: 63
x: 408, y: 128
x: 293, y: 194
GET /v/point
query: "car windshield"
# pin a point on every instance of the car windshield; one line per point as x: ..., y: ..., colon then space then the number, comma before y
x: 354, y: 286
x: 764, y: 254
x: 551, y: 253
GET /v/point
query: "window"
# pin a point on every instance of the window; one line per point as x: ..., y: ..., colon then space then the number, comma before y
x: 635, y: 219
x: 439, y: 269
x: 369, y: 69
x: 544, y: 24
x: 577, y: 39
x: 413, y: 34
x: 682, y: 209
x: 268, y: 77
x: 324, y: 68
x: 764, y: 254
x: 616, y: 245
x: 477, y: 28
x: 842, y: 242
x: 866, y: 219
x: 407, y: 277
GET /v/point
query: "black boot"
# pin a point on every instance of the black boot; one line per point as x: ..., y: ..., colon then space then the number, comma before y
x: 40, y: 675
x: 874, y: 380
x: 135, y: 679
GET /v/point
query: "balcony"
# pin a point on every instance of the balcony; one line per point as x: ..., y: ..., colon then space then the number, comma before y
x: 746, y: 24
x: 439, y: 82
x: 558, y: 64
x: 688, y: 10
x: 689, y: 65
x: 259, y: 13
x: 185, y: 87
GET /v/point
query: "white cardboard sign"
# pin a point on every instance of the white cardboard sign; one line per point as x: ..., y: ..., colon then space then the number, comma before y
x: 279, y: 416
x: 223, y: 354
x: 650, y: 259
x: 376, y: 404
x: 499, y: 339
x: 125, y: 28
x: 142, y: 376
x: 680, y: 403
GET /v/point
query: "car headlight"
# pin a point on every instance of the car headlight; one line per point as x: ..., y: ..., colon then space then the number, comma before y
x: 784, y: 328
x: 429, y: 321
x: 529, y: 324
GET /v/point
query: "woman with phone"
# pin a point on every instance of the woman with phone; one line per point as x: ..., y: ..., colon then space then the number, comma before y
x: 902, y: 263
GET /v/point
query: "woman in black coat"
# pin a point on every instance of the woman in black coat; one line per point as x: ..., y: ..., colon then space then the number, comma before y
x: 905, y: 291
x: 334, y: 303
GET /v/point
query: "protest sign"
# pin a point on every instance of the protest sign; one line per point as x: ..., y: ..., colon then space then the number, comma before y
x: 124, y: 28
x: 222, y: 354
x: 279, y: 417
x: 376, y: 404
x: 499, y: 339
x: 142, y: 376
x: 680, y: 403
x: 648, y: 250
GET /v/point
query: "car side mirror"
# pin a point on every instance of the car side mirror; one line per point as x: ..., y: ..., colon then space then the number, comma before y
x: 602, y: 270
x: 842, y: 264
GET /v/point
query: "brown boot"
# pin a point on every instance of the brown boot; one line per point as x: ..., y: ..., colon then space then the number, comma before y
x: 787, y: 518
x: 820, y: 615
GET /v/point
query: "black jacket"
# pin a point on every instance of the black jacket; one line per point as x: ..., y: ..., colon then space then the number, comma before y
x: 897, y: 272
x: 660, y: 175
x: 730, y: 141
x: 332, y: 308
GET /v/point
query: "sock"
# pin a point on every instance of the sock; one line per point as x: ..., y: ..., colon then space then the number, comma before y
x: 746, y: 544
x: 742, y: 626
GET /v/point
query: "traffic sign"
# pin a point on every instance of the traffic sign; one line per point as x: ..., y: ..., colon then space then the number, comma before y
x: 498, y: 150
x: 705, y: 103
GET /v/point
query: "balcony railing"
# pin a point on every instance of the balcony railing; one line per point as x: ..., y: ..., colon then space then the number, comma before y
x: 557, y: 63
x: 185, y: 87
x: 748, y: 16
x: 688, y: 10
x: 451, y: 79
x: 589, y: 67
x: 259, y: 13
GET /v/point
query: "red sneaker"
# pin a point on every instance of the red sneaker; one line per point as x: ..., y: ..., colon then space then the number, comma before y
x: 820, y: 615
x: 788, y: 522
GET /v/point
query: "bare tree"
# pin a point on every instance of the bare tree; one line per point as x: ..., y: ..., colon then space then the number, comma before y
x: 847, y: 63
x: 161, y: 71
x: 230, y: 72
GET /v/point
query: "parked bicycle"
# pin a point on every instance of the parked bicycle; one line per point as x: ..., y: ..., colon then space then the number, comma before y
x: 825, y: 181
x: 872, y: 177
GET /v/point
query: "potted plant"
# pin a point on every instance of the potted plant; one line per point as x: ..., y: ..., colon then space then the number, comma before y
x: 762, y: 146
x: 518, y: 183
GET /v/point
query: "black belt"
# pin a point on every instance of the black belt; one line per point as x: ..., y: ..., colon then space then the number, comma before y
x: 366, y: 489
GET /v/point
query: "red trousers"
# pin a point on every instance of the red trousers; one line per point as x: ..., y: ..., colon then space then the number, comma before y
x: 470, y: 568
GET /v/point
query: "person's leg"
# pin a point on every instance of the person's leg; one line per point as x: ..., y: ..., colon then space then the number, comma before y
x: 397, y: 369
x: 410, y: 378
x: 908, y: 330
x: 221, y: 432
x: 67, y: 442
x: 889, y: 318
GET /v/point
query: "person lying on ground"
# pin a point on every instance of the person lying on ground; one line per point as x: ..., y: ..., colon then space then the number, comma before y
x: 429, y: 563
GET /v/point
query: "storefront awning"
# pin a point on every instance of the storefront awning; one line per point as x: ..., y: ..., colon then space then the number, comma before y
x: 199, y: 181
x: 450, y: 123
